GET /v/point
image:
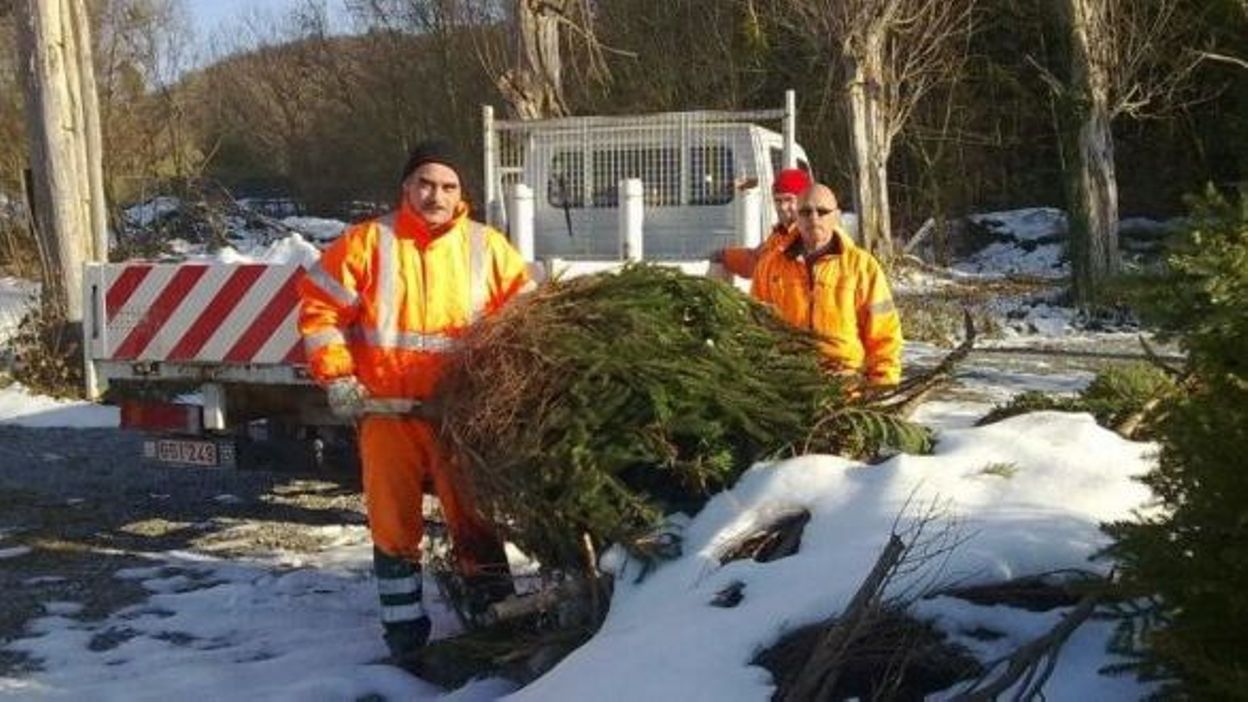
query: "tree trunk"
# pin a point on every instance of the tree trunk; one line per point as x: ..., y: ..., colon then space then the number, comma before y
x: 870, y: 144
x: 1091, y: 183
x: 92, y: 143
x: 534, y: 83
x: 57, y: 119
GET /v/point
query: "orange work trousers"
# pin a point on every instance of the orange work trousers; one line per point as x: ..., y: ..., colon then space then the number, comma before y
x: 398, y: 454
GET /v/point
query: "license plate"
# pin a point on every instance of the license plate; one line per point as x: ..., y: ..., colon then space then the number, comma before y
x: 187, y: 451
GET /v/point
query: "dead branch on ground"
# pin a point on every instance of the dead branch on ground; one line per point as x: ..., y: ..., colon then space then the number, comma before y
x: 907, y: 396
x: 1033, y: 663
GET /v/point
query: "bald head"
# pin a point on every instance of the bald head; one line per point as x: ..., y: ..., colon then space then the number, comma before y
x: 817, y: 216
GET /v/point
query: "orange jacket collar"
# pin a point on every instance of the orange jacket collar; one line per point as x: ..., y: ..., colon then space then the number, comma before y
x: 838, y: 244
x: 412, y: 224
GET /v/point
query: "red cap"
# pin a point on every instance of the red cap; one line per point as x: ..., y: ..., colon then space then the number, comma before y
x: 791, y: 181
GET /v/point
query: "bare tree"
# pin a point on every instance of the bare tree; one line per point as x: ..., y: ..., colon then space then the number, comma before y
x: 532, y: 79
x: 890, y: 53
x: 54, y: 40
x: 143, y: 53
x: 533, y: 85
x: 1123, y: 57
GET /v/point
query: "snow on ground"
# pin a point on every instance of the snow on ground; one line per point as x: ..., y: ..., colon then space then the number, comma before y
x: 1000, y: 259
x: 288, y: 628
x: 316, y: 229
x: 1030, y: 243
x: 299, y: 627
x: 1029, y: 224
x: 292, y: 249
x: 151, y: 211
x: 15, y: 297
x: 662, y: 640
x: 19, y: 407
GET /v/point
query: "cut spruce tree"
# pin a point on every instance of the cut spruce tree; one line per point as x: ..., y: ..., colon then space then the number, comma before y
x: 596, y: 405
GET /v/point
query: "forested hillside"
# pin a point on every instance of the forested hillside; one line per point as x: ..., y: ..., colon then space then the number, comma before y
x: 325, y: 113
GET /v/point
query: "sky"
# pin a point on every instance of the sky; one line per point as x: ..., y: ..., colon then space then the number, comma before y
x: 226, y: 26
x: 208, y: 15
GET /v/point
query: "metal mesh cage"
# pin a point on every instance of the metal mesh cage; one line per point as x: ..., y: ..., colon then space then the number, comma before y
x: 688, y: 163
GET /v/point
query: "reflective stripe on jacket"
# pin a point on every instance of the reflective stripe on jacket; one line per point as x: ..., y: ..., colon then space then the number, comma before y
x: 741, y: 261
x: 843, y: 297
x: 389, y: 298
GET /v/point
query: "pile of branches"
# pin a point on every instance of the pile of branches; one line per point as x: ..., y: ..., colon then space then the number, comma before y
x: 598, y: 404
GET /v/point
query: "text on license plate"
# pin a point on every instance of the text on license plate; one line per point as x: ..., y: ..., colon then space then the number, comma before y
x: 198, y: 453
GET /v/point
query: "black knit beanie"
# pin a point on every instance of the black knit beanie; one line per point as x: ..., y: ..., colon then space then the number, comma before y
x: 432, y: 151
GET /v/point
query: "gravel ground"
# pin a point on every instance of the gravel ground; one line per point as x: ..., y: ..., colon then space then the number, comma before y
x: 76, y: 505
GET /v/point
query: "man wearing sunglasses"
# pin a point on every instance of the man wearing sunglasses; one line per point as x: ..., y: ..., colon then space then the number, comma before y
x: 825, y: 283
x: 789, y: 184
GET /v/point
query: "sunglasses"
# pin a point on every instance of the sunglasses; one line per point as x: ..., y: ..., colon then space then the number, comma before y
x: 812, y: 211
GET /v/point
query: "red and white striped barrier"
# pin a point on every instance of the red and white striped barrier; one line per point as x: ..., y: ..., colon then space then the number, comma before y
x: 194, y: 313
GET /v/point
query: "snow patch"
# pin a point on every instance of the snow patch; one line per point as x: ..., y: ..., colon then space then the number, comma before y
x: 1034, y: 224
x: 13, y: 552
x: 317, y: 229
x: 147, y: 213
x: 662, y: 641
x: 16, y: 296
x: 21, y: 407
x: 62, y: 609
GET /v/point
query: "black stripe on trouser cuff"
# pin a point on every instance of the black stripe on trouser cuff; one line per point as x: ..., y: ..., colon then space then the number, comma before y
x: 390, y: 567
x: 406, y: 598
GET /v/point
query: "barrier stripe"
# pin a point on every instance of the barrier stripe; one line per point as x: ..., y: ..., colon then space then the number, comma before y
x: 176, y: 325
x: 297, y: 354
x: 122, y: 288
x: 275, y: 348
x: 215, y: 313
x: 166, y: 303
x: 267, y: 321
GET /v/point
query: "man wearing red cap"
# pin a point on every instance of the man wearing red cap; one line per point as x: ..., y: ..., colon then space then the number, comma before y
x: 379, y: 312
x: 789, y: 184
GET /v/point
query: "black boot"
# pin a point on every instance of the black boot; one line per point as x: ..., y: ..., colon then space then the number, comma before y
x: 402, y: 614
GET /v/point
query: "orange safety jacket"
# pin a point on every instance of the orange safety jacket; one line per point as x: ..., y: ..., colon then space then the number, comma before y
x: 389, y: 298
x: 842, y: 296
x: 741, y: 261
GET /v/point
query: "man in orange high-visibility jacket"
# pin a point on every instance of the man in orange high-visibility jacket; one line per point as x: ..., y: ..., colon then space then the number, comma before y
x: 823, y: 282
x: 789, y: 184
x: 380, y: 310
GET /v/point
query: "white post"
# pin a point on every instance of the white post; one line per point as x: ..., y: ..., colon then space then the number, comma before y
x: 790, y: 129
x: 489, y: 146
x: 91, y: 332
x: 520, y: 220
x: 747, y: 209
x: 214, y: 406
x: 632, y: 214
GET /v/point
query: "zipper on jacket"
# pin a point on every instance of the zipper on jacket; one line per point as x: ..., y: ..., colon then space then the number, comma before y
x: 810, y: 296
x: 424, y: 294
